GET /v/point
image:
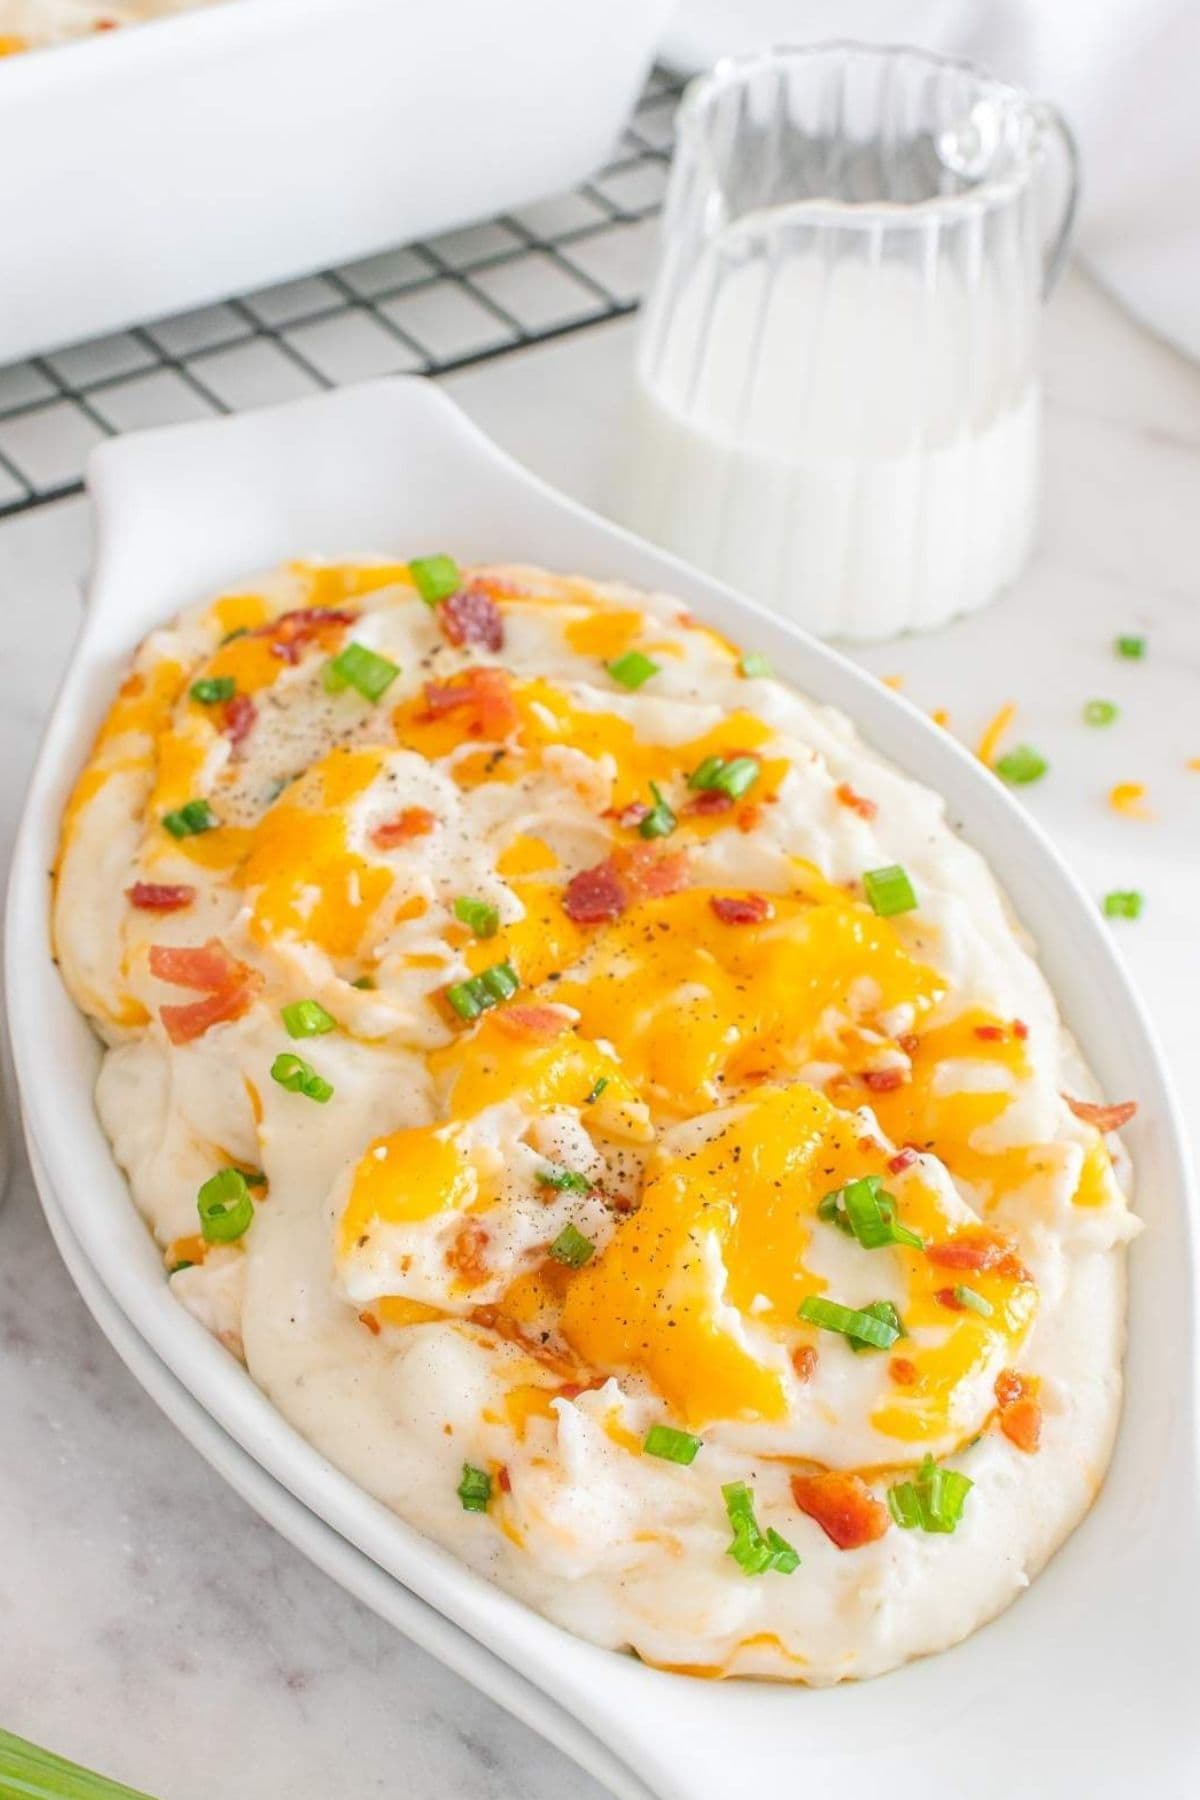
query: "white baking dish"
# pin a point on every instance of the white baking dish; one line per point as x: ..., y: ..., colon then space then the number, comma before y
x: 1088, y: 1680
x: 165, y: 165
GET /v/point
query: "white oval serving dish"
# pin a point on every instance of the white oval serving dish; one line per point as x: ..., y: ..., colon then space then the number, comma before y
x: 209, y: 153
x: 1088, y: 1680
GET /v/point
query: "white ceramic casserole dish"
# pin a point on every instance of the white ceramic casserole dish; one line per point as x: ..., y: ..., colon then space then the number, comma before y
x: 1088, y: 1679
x: 155, y: 168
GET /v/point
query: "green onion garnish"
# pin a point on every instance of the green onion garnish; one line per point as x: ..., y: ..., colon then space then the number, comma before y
x: 177, y: 1268
x: 933, y: 1500
x: 483, y: 919
x: 225, y: 1207
x: 753, y: 665
x: 660, y: 821
x: 754, y: 1551
x: 474, y: 996
x: 212, y: 689
x: 633, y: 669
x: 572, y: 1248
x: 673, y: 1446
x: 299, y: 1077
x: 191, y: 820
x: 368, y: 673
x: 436, y: 577
x: 865, y: 1210
x: 1021, y: 766
x: 564, y: 1181
x: 1132, y: 648
x: 1100, y: 712
x: 717, y: 775
x: 879, y: 1325
x: 1123, y: 903
x: 306, y: 1018
x: 237, y: 632
x: 475, y: 1489
x: 966, y: 1296
x: 889, y: 891
x: 365, y: 982
x: 596, y: 1092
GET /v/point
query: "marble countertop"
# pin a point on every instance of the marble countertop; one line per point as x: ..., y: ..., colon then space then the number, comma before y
x: 150, y: 1625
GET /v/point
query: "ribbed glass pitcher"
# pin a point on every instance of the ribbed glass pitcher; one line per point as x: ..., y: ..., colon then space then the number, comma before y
x: 837, y: 394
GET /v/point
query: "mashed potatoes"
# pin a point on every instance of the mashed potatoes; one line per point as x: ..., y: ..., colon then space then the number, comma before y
x: 608, y: 1110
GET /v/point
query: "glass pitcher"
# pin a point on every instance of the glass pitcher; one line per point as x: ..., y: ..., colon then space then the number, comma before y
x: 837, y: 395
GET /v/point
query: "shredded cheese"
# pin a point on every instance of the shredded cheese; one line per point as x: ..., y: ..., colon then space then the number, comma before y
x: 995, y: 732
x: 1128, y: 798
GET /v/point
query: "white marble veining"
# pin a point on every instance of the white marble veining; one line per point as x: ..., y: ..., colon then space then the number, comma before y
x: 150, y: 1625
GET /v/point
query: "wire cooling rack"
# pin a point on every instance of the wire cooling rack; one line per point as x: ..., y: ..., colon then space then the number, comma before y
x: 555, y: 267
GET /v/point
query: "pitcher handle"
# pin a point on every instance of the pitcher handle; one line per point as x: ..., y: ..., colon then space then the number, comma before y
x: 1055, y: 254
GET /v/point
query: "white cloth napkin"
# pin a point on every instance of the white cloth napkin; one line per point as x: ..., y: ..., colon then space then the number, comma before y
x: 1125, y: 72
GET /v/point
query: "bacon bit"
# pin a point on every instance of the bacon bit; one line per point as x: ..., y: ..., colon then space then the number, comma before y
x: 413, y: 822
x: 979, y: 1248
x: 712, y: 800
x: 1020, y: 1409
x: 633, y: 815
x: 688, y: 620
x: 1128, y: 798
x: 205, y: 967
x: 158, y: 896
x: 1104, y: 1118
x: 903, y: 1159
x: 1020, y: 1030
x: 746, y: 909
x: 902, y: 1371
x: 909, y: 1042
x: 866, y: 809
x: 533, y: 1021
x: 595, y: 896
x: 488, y: 695
x: 465, y: 1255
x: 371, y: 1322
x: 471, y: 616
x: 293, y: 631
x: 948, y: 1297
x: 238, y: 719
x: 184, y: 1023
x: 804, y: 1362
x: 652, y: 871
x: 992, y: 1034
x: 883, y: 1081
x: 749, y: 818
x: 504, y: 1479
x: 843, y: 1506
x: 994, y: 733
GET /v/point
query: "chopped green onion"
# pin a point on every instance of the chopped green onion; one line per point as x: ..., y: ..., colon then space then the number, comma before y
x: 365, y: 982
x: 254, y: 1178
x: 754, y: 664
x: 474, y: 996
x: 966, y: 1296
x: 1123, y: 903
x: 886, y: 1313
x: 564, y: 1181
x: 436, y: 577
x: 633, y: 669
x: 1021, y: 766
x: 889, y: 891
x: 191, y: 820
x: 754, y: 1551
x: 732, y: 777
x: 212, y: 689
x: 306, y: 1018
x: 1100, y: 712
x: 1131, y: 648
x: 933, y: 1500
x: 237, y: 632
x: 177, y: 1268
x: 299, y: 1077
x: 865, y: 1327
x: 596, y: 1092
x: 364, y: 670
x: 871, y: 1215
x: 475, y: 1489
x: 38, y: 1774
x: 572, y: 1248
x: 660, y: 821
x: 225, y: 1207
x: 673, y: 1446
x: 483, y: 919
